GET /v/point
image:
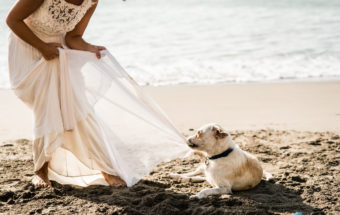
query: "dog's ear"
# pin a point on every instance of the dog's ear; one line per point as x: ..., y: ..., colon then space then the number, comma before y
x: 219, y: 133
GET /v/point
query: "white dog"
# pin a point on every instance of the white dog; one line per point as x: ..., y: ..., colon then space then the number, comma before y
x: 226, y: 168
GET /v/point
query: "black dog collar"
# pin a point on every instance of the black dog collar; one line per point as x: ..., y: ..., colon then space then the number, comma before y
x: 223, y: 154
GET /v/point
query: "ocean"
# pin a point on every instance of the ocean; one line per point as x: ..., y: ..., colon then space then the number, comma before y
x: 162, y: 42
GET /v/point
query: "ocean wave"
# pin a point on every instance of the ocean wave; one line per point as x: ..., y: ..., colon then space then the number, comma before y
x: 163, y: 42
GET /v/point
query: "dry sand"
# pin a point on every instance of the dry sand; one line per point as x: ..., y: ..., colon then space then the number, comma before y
x: 261, y: 117
x: 305, y: 166
x: 309, y: 106
x: 301, y: 106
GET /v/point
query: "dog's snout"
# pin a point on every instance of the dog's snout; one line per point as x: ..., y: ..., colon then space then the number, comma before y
x: 191, y: 143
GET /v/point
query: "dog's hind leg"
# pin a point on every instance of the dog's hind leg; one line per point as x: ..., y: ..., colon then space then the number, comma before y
x: 266, y: 175
x: 212, y: 191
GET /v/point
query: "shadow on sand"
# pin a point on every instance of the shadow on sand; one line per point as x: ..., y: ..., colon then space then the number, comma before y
x: 148, y: 197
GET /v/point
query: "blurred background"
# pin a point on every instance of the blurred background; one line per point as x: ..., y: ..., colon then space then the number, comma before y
x: 162, y: 42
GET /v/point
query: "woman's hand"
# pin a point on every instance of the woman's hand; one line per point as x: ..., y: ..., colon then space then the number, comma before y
x: 78, y: 43
x: 96, y: 50
x: 50, y: 50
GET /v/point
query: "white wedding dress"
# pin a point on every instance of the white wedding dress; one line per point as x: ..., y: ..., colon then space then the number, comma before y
x: 89, y: 114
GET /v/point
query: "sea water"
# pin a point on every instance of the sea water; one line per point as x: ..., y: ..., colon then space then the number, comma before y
x: 162, y: 42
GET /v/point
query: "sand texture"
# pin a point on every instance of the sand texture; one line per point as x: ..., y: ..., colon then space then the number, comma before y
x: 305, y: 166
x: 303, y: 106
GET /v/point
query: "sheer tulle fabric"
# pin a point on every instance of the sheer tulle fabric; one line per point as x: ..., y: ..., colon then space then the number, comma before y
x: 90, y: 116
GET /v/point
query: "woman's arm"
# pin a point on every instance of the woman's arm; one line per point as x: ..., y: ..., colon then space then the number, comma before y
x: 15, y: 21
x: 74, y: 39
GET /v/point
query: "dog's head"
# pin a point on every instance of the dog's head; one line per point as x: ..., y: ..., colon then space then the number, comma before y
x: 209, y: 138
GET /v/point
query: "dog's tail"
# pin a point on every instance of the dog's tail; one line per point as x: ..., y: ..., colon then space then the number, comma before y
x: 266, y: 175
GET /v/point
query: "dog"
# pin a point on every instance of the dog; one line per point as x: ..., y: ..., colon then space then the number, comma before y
x: 226, y: 168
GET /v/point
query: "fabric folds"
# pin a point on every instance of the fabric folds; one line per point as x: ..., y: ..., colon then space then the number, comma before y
x: 90, y: 116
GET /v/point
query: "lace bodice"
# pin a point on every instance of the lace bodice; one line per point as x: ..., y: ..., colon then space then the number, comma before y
x: 55, y: 17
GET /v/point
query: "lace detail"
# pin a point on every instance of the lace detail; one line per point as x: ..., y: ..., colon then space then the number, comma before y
x: 55, y: 17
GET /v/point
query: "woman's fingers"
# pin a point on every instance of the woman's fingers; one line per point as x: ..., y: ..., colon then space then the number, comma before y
x: 57, y: 45
x: 98, y: 53
x: 98, y: 49
x: 48, y: 58
x: 53, y: 56
x: 101, y: 48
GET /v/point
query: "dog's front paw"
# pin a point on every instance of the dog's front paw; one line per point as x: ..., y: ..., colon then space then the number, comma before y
x: 179, y: 177
x: 194, y: 197
x: 197, y: 196
x: 175, y: 176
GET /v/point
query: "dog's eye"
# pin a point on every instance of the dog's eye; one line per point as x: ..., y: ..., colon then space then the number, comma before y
x: 198, y: 133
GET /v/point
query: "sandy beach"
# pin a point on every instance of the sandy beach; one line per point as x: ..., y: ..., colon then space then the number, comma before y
x: 293, y: 128
x: 304, y: 106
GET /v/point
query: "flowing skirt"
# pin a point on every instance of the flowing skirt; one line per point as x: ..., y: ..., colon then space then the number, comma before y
x: 90, y: 116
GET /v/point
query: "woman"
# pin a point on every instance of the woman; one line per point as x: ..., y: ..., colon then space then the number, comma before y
x: 92, y: 124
